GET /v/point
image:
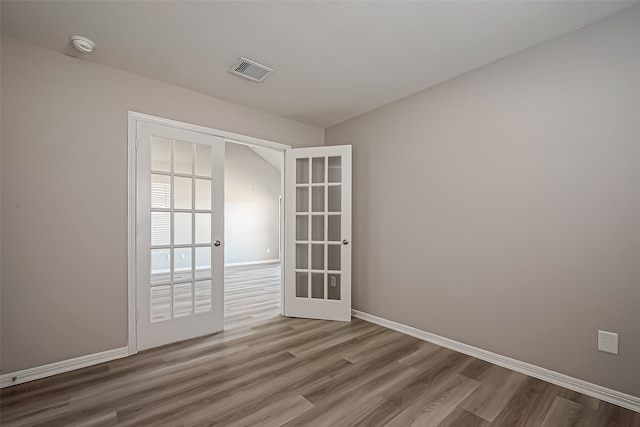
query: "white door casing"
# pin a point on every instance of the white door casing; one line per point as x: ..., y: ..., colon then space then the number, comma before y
x: 329, y: 300
x: 180, y: 229
x: 317, y: 282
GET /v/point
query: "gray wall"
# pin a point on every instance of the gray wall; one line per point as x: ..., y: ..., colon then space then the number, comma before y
x: 502, y: 209
x: 64, y: 195
x: 251, y: 206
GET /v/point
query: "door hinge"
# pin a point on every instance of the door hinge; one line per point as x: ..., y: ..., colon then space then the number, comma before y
x: 136, y: 230
x: 136, y: 314
x: 136, y: 144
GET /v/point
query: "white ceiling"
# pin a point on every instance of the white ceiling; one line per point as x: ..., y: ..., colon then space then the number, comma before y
x: 332, y: 60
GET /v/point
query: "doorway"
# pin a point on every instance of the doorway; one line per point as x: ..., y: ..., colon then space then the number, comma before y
x: 176, y: 244
x: 179, y: 258
x: 253, y: 234
x: 176, y: 219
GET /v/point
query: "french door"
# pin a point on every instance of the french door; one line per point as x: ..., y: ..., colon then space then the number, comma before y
x: 318, y: 233
x: 179, y: 233
x: 179, y: 229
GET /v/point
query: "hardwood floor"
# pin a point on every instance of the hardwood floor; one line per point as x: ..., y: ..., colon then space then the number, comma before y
x: 252, y: 294
x: 267, y: 370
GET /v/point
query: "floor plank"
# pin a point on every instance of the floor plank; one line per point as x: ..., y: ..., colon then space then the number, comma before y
x: 267, y: 370
x: 563, y: 412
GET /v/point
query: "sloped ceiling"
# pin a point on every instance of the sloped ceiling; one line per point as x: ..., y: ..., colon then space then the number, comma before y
x: 332, y: 60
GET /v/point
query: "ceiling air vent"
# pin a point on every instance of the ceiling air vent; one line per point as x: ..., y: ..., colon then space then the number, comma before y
x: 251, y: 70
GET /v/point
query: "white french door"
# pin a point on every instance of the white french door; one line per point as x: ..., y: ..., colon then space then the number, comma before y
x: 318, y: 233
x: 179, y: 251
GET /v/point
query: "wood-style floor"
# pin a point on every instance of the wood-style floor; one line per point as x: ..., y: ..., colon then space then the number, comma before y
x: 271, y: 371
x: 251, y: 294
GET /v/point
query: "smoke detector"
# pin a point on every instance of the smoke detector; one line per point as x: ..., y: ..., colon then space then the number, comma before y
x: 82, y: 44
x: 251, y: 70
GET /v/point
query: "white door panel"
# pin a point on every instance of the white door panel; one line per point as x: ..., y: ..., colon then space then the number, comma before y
x: 318, y: 233
x: 180, y: 258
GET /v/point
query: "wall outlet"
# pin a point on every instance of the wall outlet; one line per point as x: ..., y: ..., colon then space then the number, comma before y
x: 608, y: 342
x: 333, y: 281
x: 268, y: 250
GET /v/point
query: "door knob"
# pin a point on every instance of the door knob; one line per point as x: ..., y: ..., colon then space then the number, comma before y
x: 216, y: 243
x: 345, y: 242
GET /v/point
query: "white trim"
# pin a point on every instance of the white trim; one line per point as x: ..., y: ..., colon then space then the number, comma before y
x: 228, y: 136
x: 56, y: 368
x: 328, y: 309
x: 606, y: 394
x: 133, y: 118
x: 264, y: 261
x: 131, y: 236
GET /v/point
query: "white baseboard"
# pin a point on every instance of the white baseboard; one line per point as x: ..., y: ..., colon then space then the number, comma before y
x: 608, y: 395
x: 55, y: 368
x: 265, y: 261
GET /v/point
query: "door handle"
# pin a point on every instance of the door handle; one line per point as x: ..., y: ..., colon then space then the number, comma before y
x: 216, y: 243
x: 345, y: 242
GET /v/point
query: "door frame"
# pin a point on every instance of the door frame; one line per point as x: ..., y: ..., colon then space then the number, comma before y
x: 133, y: 119
x: 307, y: 306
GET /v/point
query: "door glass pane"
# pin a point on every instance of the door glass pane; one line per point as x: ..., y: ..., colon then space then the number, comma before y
x: 302, y: 199
x: 182, y: 264
x: 160, y: 303
x: 203, y: 160
x: 182, y: 192
x: 317, y: 257
x: 160, y: 191
x: 333, y: 257
x: 317, y: 228
x: 203, y: 194
x: 302, y: 171
x: 203, y: 228
x: 317, y: 202
x: 203, y: 296
x: 302, y: 227
x: 317, y: 169
x: 333, y: 288
x: 183, y: 157
x: 317, y: 285
x: 182, y: 228
x: 302, y: 256
x: 181, y: 219
x: 203, y: 262
x: 335, y: 169
x: 302, y: 285
x: 160, y: 265
x: 182, y: 300
x: 160, y: 154
x: 333, y: 232
x: 335, y: 194
x: 160, y: 228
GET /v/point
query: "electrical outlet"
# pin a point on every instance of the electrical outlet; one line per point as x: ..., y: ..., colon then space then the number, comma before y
x: 268, y: 250
x: 608, y: 342
x: 333, y: 281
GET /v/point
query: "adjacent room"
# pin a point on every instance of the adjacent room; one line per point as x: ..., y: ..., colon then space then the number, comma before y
x: 252, y: 228
x: 320, y: 213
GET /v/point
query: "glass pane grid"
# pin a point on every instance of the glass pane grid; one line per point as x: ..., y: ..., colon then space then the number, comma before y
x: 191, y: 210
x: 178, y: 264
x: 334, y: 169
x: 203, y: 296
x: 184, y: 175
x: 182, y: 299
x: 318, y: 200
x: 161, y: 154
x: 160, y: 302
x: 318, y: 227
